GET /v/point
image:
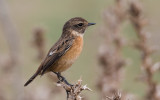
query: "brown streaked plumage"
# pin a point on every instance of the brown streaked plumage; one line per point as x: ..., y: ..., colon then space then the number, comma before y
x: 66, y: 50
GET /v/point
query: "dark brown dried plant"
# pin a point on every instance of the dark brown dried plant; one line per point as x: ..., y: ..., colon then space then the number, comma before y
x: 39, y: 42
x: 110, y: 58
x: 116, y: 96
x: 147, y: 65
x: 74, y: 91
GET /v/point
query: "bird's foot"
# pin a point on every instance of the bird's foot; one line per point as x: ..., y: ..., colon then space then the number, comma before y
x: 62, y: 79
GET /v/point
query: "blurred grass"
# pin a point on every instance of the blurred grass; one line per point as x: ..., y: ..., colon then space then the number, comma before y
x: 52, y: 14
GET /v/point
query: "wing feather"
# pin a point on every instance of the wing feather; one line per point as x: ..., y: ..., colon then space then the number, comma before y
x: 58, y: 50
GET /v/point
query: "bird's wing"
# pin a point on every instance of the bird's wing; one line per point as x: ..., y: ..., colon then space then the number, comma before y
x: 58, y: 50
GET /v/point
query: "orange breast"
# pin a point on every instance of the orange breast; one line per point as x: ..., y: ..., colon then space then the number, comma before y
x: 69, y: 57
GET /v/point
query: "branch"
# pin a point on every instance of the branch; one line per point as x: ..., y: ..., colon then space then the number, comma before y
x: 138, y: 20
x: 74, y: 91
x: 116, y: 96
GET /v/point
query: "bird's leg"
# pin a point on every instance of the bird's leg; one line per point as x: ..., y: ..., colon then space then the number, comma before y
x: 62, y: 79
x: 67, y: 92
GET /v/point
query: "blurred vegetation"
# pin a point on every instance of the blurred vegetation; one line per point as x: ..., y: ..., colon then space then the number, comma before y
x: 52, y: 14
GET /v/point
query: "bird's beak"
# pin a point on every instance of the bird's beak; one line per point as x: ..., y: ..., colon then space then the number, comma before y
x: 89, y: 24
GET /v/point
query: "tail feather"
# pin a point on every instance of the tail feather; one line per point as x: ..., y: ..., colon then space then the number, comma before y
x: 31, y: 79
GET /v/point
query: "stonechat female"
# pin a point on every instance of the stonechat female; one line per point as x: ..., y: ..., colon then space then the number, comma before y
x: 66, y: 50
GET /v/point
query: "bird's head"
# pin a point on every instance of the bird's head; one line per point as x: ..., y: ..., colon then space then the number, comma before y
x: 76, y: 26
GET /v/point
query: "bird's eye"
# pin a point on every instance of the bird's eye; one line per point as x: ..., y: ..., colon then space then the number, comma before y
x: 80, y: 24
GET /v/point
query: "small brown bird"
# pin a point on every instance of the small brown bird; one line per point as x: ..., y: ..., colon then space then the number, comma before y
x: 66, y: 50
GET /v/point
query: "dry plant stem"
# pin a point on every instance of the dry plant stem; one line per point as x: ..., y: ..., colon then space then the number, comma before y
x: 136, y: 17
x: 110, y: 57
x: 39, y: 42
x: 11, y: 35
x: 10, y: 31
x: 73, y: 91
x: 116, y: 96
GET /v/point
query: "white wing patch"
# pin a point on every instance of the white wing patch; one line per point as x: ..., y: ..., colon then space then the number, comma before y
x: 51, y: 53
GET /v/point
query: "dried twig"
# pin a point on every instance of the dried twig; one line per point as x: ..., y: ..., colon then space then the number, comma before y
x: 110, y: 58
x: 11, y: 35
x: 39, y: 42
x: 138, y: 20
x: 116, y: 96
x: 74, y: 91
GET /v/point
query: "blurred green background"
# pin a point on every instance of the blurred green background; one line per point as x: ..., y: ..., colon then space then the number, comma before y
x: 52, y: 14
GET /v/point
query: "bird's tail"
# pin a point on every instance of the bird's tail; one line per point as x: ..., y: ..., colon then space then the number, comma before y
x: 31, y: 79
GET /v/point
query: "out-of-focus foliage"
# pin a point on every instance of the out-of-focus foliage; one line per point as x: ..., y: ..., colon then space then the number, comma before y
x: 51, y: 15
